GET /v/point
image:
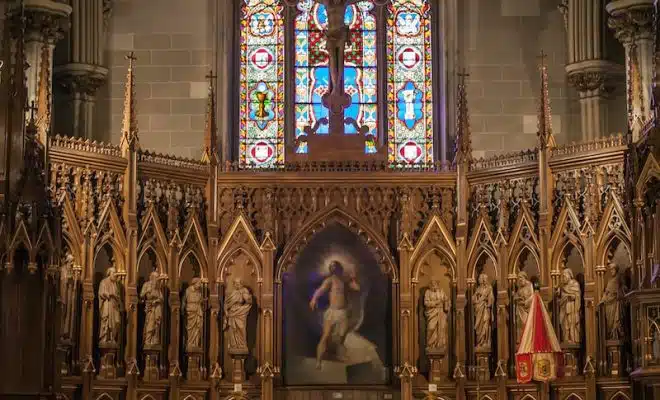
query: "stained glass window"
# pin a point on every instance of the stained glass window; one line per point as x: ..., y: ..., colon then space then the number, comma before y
x: 262, y: 84
x: 409, y: 86
x: 312, y: 77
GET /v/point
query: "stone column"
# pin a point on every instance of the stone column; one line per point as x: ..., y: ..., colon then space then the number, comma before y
x: 46, y: 21
x: 226, y: 31
x: 84, y: 73
x: 588, y: 70
x: 633, y: 25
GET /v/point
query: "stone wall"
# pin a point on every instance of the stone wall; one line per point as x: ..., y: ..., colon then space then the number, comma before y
x: 500, y: 41
x: 173, y: 42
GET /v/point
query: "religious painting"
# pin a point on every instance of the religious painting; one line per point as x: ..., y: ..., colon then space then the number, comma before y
x: 337, y: 314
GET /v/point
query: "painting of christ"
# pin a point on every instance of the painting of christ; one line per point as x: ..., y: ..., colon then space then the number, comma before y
x: 337, y: 317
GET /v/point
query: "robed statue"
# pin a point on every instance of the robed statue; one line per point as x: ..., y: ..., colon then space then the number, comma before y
x: 523, y: 301
x: 152, y: 296
x: 436, y: 305
x: 612, y: 303
x: 570, y: 305
x: 67, y: 295
x: 483, y: 300
x: 194, y: 314
x: 110, y: 306
x: 237, y: 307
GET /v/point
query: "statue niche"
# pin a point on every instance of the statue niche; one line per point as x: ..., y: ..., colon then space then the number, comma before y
x: 613, y: 307
x: 337, y: 313
x: 109, y: 316
x: 570, y: 308
x: 435, y: 299
x: 151, y: 316
x: 193, y: 341
x: 239, y: 324
x: 526, y: 274
x: 483, y: 317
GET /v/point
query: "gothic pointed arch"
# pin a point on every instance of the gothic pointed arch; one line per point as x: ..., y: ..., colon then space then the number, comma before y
x: 109, y: 230
x: 21, y: 237
x: 523, y: 237
x: 619, y: 396
x: 435, y: 237
x: 650, y: 170
x: 45, y: 241
x: 71, y: 227
x: 239, y: 239
x: 567, y: 231
x: 481, y: 242
x: 336, y: 215
x: 193, y: 242
x: 613, y: 226
x: 153, y: 238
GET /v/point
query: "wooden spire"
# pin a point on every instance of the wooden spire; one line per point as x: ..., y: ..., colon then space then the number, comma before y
x: 210, y: 153
x: 636, y: 112
x: 43, y: 97
x: 463, y: 147
x: 129, y: 130
x: 546, y: 138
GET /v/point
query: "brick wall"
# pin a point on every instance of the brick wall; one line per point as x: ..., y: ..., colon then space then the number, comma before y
x: 173, y: 41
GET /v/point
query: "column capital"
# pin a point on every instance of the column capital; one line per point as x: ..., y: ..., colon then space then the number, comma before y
x: 596, y: 76
x: 631, y: 19
x: 82, y: 79
x: 46, y: 20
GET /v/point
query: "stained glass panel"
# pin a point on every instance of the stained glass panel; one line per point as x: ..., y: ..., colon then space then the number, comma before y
x: 409, y: 86
x: 312, y: 76
x: 262, y: 84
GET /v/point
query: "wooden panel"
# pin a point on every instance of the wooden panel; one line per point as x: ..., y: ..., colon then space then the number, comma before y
x: 337, y: 395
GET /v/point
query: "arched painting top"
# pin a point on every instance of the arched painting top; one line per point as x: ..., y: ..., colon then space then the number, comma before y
x: 336, y: 215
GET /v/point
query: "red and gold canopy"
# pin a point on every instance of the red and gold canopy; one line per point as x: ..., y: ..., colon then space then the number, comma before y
x: 539, y: 356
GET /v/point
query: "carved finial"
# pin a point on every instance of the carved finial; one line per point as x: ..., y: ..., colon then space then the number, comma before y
x: 210, y: 155
x: 463, y: 135
x: 43, y: 96
x: 32, y: 109
x: 546, y: 138
x: 636, y: 111
x: 129, y: 134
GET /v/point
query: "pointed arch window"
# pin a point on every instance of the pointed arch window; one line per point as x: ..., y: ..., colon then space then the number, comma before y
x: 261, y: 106
x: 403, y: 121
x: 409, y: 82
x: 312, y: 76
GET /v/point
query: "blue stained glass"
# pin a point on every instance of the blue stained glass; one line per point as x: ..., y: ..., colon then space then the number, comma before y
x: 410, y: 89
x: 312, y: 73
